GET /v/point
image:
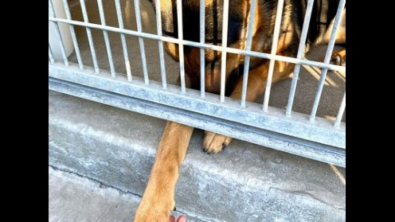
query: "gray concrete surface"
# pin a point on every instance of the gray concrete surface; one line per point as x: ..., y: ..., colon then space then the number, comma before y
x: 246, y: 182
x: 76, y: 198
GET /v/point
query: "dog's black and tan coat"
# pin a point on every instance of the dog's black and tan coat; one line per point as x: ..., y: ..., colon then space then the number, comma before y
x: 158, y: 198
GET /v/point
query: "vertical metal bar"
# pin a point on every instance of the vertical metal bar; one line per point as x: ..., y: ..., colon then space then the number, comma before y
x: 224, y: 44
x: 340, y: 112
x: 106, y: 40
x: 180, y: 45
x: 73, y: 35
x: 247, y: 58
x: 58, y: 34
x: 276, y: 34
x: 327, y: 58
x: 123, y: 40
x: 300, y: 54
x: 318, y: 94
x: 51, y: 58
x: 160, y: 45
x: 90, y: 39
x: 202, y: 54
x: 141, y: 41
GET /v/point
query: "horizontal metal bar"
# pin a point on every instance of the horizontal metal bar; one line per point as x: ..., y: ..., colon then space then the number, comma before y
x: 205, y: 46
x: 261, y: 137
x: 321, y: 131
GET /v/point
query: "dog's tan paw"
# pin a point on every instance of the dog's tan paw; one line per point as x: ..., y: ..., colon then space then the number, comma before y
x: 158, y: 211
x: 214, y: 143
x: 338, y: 59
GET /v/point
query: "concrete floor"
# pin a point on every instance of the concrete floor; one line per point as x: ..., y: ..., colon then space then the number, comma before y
x: 108, y: 147
x: 76, y: 198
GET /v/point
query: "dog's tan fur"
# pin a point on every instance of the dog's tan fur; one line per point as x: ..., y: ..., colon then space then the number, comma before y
x: 158, y: 198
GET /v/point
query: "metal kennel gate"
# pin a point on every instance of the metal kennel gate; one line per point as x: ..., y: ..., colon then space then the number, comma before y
x: 283, y: 129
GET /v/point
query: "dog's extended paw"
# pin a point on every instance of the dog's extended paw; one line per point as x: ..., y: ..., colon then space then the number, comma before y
x: 338, y: 59
x: 159, y: 211
x: 214, y: 143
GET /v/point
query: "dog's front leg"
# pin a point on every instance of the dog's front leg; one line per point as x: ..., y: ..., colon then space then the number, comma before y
x: 158, y: 198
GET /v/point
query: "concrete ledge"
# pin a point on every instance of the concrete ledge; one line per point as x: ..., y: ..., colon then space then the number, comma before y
x: 246, y: 182
x: 75, y: 198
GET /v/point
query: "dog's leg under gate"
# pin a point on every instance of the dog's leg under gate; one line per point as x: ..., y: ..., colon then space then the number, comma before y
x: 214, y: 142
x: 158, y: 198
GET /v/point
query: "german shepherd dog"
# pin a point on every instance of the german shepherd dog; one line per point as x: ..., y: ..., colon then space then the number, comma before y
x: 158, y: 199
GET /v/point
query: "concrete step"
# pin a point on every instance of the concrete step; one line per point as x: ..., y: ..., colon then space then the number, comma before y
x: 76, y: 198
x: 245, y: 182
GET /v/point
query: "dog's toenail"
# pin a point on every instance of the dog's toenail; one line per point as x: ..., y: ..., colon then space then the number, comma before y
x: 206, y: 150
